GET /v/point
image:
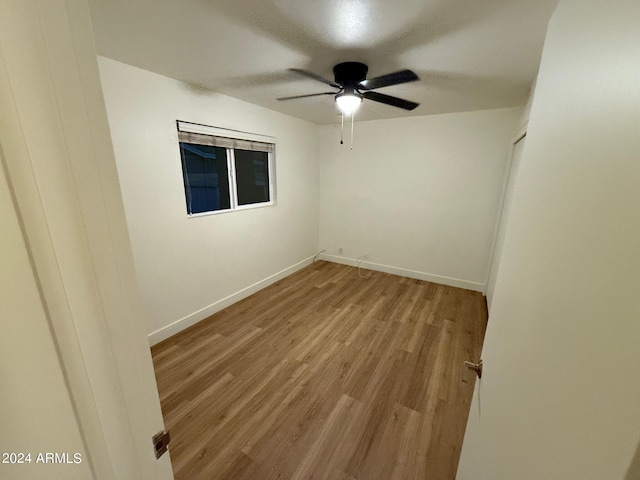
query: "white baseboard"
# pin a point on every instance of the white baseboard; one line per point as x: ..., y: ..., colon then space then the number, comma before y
x: 195, y: 317
x: 403, y: 272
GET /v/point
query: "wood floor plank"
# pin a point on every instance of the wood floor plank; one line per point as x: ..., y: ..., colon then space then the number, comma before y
x: 325, y: 457
x: 324, y: 375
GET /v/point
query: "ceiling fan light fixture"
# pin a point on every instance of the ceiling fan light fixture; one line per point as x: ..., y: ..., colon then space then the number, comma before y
x: 348, y: 103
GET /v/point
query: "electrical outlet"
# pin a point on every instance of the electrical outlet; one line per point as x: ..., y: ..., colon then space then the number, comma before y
x: 340, y: 250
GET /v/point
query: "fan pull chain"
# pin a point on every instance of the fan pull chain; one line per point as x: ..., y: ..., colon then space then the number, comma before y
x: 352, y: 120
x: 342, y: 130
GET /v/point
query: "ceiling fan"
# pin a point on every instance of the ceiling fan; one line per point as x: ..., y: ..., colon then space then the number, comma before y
x: 351, y: 80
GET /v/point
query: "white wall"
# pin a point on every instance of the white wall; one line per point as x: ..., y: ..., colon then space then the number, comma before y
x: 188, y: 267
x: 560, y: 395
x: 419, y: 194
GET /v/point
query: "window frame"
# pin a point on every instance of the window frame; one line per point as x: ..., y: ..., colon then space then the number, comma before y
x: 189, y: 127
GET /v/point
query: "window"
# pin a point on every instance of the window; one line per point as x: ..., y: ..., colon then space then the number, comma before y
x: 222, y: 173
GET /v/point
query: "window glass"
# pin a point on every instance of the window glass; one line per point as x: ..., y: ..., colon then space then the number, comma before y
x: 252, y: 176
x: 206, y: 177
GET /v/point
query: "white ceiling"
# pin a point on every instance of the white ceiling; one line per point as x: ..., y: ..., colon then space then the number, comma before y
x: 469, y: 54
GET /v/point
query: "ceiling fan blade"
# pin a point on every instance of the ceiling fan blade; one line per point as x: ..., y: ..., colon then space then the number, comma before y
x: 314, y: 77
x: 305, y: 96
x: 389, y: 100
x: 395, y: 78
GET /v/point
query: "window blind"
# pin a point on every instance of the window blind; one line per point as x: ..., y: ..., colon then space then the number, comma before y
x: 225, y: 142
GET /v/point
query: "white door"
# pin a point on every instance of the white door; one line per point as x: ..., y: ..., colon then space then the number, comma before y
x: 504, y: 218
x: 33, y: 380
x: 59, y: 162
x: 559, y: 396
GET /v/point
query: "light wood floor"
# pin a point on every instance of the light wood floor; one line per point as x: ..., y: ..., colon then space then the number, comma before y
x: 324, y: 375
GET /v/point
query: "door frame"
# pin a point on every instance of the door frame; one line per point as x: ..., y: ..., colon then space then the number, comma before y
x: 521, y: 134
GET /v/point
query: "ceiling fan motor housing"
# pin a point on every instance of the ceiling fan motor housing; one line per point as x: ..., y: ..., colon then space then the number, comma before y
x: 350, y: 74
x: 351, y: 81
